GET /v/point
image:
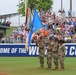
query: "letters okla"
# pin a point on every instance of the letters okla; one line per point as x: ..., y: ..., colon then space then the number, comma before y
x: 34, y: 50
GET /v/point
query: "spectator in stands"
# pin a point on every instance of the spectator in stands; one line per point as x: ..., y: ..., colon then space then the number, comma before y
x: 3, y: 39
x: 69, y: 13
x: 3, y: 23
x: 8, y: 23
x: 56, y: 26
x: 7, y: 39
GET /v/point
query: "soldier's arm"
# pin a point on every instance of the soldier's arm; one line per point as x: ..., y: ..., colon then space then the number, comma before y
x: 45, y: 42
x: 58, y: 46
x: 64, y: 49
x: 53, y: 44
x: 37, y: 42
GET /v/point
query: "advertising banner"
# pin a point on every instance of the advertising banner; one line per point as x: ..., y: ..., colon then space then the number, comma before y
x: 18, y: 50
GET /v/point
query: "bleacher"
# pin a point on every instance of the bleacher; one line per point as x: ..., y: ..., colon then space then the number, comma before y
x: 4, y: 24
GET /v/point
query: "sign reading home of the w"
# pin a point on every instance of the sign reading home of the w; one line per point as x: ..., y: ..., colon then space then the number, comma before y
x: 15, y: 50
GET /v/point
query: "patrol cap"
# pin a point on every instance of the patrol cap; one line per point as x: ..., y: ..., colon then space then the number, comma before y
x: 61, y: 41
x: 50, y: 38
x: 41, y: 37
x: 56, y: 39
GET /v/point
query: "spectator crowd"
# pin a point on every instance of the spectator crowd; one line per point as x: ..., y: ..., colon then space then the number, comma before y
x: 57, y: 26
x: 54, y: 25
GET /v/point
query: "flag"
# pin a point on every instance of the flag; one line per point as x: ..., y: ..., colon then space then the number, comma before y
x: 36, y: 21
x: 28, y: 23
x: 29, y: 37
x: 29, y: 18
x: 36, y: 25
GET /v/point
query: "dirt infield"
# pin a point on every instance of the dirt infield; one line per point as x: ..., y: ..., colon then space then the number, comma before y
x: 3, y: 74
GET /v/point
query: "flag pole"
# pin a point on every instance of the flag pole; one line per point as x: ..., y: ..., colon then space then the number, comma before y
x: 25, y: 10
x: 26, y: 15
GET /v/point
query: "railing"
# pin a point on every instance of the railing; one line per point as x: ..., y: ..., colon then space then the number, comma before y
x: 66, y: 14
x: 73, y: 14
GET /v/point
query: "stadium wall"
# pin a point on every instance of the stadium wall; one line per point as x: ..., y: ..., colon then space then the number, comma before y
x: 18, y: 50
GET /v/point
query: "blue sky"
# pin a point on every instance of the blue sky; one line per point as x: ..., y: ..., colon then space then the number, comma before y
x: 10, y: 6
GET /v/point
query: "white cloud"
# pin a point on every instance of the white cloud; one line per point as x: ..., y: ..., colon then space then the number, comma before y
x: 66, y: 5
x: 8, y: 6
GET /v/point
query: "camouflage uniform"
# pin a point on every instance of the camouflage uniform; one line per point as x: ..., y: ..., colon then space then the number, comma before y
x: 41, y: 45
x: 49, y: 54
x: 61, y: 53
x: 55, y: 54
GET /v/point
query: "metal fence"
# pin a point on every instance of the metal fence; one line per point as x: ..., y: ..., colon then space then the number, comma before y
x: 66, y: 13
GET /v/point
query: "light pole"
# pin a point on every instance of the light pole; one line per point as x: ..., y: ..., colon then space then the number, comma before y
x: 19, y: 13
x: 61, y: 5
x: 71, y: 7
x: 70, y: 4
x: 25, y: 11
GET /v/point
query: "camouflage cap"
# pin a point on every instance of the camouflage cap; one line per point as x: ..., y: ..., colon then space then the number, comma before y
x: 50, y: 38
x: 61, y: 41
x: 56, y: 39
x: 41, y: 37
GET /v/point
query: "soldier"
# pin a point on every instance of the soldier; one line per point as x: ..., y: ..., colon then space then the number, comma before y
x: 49, y: 53
x: 55, y: 53
x: 41, y: 45
x: 61, y: 53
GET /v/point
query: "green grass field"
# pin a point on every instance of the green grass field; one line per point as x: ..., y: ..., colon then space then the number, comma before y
x: 29, y: 66
x: 9, y: 31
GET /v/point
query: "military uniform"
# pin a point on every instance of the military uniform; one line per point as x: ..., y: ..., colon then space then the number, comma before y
x: 55, y: 54
x: 41, y: 45
x: 61, y: 53
x: 49, y: 54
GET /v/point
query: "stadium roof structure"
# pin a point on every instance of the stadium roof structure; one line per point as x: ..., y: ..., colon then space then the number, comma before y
x: 5, y: 27
x: 8, y: 15
x: 5, y: 16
